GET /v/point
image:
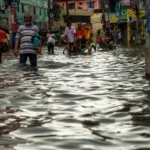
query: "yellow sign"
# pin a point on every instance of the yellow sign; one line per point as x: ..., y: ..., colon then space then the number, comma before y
x: 113, y: 18
x: 142, y: 12
x: 131, y: 15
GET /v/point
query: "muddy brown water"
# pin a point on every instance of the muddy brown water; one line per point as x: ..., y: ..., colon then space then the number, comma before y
x: 97, y: 102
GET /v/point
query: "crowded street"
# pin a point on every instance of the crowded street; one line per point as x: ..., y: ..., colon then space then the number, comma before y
x: 83, y: 102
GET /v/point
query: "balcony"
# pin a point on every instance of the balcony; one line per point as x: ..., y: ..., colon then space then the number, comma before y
x: 81, y: 12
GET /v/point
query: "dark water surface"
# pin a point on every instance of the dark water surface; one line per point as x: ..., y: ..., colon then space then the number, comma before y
x: 98, y: 102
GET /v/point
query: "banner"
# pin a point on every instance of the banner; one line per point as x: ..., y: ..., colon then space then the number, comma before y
x: 17, y: 1
x: 113, y: 18
x: 117, y: 6
x: 133, y: 3
x: 142, y: 12
x: 148, y: 17
x: 125, y: 3
x: 131, y: 15
x: 123, y: 14
x: 2, y: 9
x: 14, y: 17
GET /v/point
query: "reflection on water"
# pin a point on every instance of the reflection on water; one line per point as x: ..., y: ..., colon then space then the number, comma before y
x: 93, y: 102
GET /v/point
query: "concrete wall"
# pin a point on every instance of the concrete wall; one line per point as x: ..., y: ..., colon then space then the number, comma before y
x: 61, y: 22
x: 95, y: 19
x: 81, y: 3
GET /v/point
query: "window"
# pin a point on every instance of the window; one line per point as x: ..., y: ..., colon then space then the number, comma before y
x: 22, y: 8
x: 18, y: 7
x: 90, y: 4
x: 34, y: 10
x: 72, y: 6
x: 40, y: 11
x: 44, y: 12
x: 78, y: 18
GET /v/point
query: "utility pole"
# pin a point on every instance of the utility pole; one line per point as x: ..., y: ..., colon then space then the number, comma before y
x: 50, y: 12
x: 9, y: 17
x: 49, y: 18
x: 106, y: 12
x: 67, y: 10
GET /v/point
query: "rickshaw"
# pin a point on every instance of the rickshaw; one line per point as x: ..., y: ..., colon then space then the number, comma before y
x: 86, y: 48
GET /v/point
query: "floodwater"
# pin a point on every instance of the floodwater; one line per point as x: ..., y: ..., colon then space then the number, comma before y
x: 97, y: 102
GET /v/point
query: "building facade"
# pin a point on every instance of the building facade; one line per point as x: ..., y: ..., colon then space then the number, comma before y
x: 81, y: 11
x: 37, y: 8
x: 80, y: 4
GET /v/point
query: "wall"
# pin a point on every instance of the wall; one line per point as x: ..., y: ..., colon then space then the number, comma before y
x: 95, y: 20
x: 40, y: 18
x: 84, y: 4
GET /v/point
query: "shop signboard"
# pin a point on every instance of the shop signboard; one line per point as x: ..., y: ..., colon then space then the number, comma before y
x: 133, y: 3
x: 142, y: 12
x: 14, y: 18
x: 125, y: 3
x: 2, y: 9
x: 17, y: 1
x: 117, y: 6
x: 148, y: 17
x: 123, y: 14
x: 113, y: 18
x: 131, y: 15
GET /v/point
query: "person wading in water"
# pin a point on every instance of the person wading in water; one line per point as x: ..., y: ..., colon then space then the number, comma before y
x: 24, y: 40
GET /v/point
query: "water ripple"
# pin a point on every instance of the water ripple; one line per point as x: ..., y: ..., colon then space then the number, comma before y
x: 91, y: 102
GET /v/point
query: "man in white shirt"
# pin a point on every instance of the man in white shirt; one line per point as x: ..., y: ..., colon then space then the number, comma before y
x: 70, y: 35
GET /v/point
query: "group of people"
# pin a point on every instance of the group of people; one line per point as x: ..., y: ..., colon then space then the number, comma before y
x: 108, y: 36
x: 76, y: 35
x: 105, y: 37
x: 28, y: 42
x: 73, y: 36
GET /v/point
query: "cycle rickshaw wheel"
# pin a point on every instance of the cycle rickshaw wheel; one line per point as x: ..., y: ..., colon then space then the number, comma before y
x: 93, y: 48
x: 66, y: 51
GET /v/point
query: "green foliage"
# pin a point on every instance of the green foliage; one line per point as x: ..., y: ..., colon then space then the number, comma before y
x: 57, y: 11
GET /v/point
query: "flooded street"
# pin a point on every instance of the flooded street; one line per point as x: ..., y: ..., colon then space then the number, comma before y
x: 97, y: 102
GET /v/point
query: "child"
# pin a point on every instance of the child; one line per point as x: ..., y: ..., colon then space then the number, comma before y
x: 51, y: 44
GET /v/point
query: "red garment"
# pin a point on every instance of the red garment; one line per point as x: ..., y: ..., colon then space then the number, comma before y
x: 2, y: 36
x: 80, y: 32
x: 107, y: 39
x: 91, y: 30
x: 99, y: 40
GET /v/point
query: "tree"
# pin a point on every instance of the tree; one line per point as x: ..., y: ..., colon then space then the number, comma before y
x: 57, y: 11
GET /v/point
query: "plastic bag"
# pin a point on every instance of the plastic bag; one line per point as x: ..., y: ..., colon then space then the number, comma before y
x: 36, y: 40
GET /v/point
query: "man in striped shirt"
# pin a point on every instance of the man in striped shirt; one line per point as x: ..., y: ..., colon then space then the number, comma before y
x: 24, y: 40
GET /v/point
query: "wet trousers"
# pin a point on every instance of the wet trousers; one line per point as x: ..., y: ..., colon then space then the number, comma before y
x: 50, y: 48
